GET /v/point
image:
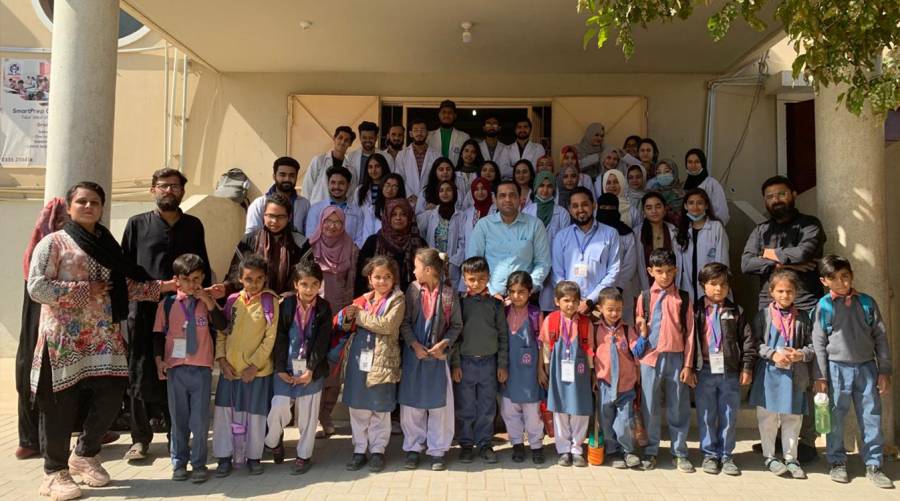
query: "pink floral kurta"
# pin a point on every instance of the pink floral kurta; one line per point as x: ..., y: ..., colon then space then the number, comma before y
x: 77, y: 329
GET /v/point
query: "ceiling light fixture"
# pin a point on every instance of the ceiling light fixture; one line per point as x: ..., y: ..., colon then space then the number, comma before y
x: 466, y: 34
x: 305, y: 25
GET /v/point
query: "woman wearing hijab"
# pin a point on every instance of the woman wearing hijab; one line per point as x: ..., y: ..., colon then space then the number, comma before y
x: 334, y: 251
x: 589, y: 149
x: 698, y: 177
x: 53, y: 217
x: 566, y: 181
x: 613, y: 182
x: 398, y: 238
x: 636, y: 177
x: 277, y: 242
x: 392, y: 187
x: 668, y: 184
x: 544, y: 207
x: 441, y: 170
x: 84, y: 282
x: 608, y: 213
x: 482, y: 206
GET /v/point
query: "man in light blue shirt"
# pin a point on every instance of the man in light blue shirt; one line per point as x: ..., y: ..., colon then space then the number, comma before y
x: 586, y: 252
x: 284, y: 172
x: 510, y: 241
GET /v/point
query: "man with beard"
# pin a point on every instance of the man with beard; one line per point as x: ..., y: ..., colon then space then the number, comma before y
x: 357, y: 159
x: 414, y: 162
x: 315, y: 184
x: 510, y: 241
x: 395, y: 136
x: 793, y: 241
x: 586, y: 252
x: 524, y: 147
x: 447, y: 139
x: 285, y: 171
x: 153, y: 240
x: 338, y: 183
x: 492, y: 149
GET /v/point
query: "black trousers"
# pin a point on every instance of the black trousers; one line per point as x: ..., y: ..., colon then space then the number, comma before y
x: 100, y: 397
x: 140, y: 415
x: 29, y: 421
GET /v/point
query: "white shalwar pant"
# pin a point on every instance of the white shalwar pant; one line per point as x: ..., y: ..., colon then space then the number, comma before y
x: 521, y: 420
x: 370, y: 430
x: 570, y: 432
x: 307, y: 411
x: 429, y: 429
x: 223, y: 441
x: 769, y: 422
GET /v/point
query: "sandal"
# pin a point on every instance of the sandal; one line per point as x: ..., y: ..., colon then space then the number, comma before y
x: 137, y: 452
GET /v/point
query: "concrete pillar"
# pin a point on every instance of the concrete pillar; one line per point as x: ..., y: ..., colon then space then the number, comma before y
x: 83, y: 95
x: 850, y: 194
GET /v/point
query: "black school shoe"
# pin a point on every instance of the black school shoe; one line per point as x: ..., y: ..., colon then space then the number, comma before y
x: 537, y: 456
x: 199, y: 475
x: 357, y: 461
x: 488, y: 455
x: 466, y: 454
x: 254, y: 467
x: 224, y: 468
x: 180, y: 474
x: 518, y: 453
x: 376, y: 463
x: 438, y: 463
x: 278, y: 454
x: 412, y: 460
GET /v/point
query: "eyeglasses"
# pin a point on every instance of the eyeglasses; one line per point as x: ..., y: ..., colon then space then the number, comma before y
x: 175, y: 187
x: 778, y: 194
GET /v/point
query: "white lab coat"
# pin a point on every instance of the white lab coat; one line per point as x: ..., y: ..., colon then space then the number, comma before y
x: 464, y: 184
x: 427, y: 222
x: 315, y: 182
x: 712, y: 247
x: 500, y: 157
x: 354, y: 158
x: 353, y: 221
x: 406, y: 166
x: 467, y: 224
x: 559, y: 220
x: 532, y: 152
x: 717, y: 198
x: 457, y: 138
x: 643, y: 277
x: 460, y: 199
x: 628, y: 280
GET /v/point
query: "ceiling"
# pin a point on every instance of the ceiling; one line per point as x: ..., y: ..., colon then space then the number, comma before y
x: 418, y: 36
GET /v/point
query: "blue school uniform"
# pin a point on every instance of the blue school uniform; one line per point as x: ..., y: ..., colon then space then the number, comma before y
x: 774, y: 389
x: 524, y: 349
x: 377, y: 398
x: 423, y: 383
x: 298, y: 348
x: 574, y: 398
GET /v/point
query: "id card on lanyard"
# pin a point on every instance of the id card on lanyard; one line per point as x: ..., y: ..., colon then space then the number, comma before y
x: 716, y: 356
x: 179, y: 344
x: 580, y: 269
x: 298, y: 364
x: 568, y: 362
x: 367, y: 355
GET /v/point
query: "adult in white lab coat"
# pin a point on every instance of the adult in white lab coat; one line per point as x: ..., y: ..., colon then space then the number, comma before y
x: 315, y: 183
x: 613, y: 182
x: 491, y: 147
x: 338, y: 191
x: 523, y: 175
x: 393, y: 142
x: 636, y: 177
x: 441, y: 170
x: 568, y: 157
x: 655, y: 233
x: 701, y: 239
x: 698, y: 177
x: 482, y: 206
x: 608, y: 213
x: 447, y: 139
x: 441, y: 226
x: 555, y: 218
x: 392, y: 187
x: 524, y: 147
x: 468, y: 167
x: 415, y: 161
x: 370, y: 181
x: 357, y: 159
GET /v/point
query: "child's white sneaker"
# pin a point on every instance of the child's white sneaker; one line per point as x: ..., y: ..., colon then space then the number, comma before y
x: 59, y: 486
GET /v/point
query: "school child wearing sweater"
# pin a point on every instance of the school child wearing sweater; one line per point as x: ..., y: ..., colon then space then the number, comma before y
x: 853, y: 364
x: 566, y: 349
x: 301, y: 365
x: 432, y: 323
x: 244, y: 354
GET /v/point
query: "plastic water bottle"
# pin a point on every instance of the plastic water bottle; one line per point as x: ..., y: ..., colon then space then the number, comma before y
x: 823, y: 413
x: 239, y: 438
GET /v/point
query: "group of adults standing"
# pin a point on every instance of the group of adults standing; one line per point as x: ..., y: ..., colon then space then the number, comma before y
x: 593, y: 220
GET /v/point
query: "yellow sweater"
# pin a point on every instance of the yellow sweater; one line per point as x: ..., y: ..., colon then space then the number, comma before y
x: 249, y: 338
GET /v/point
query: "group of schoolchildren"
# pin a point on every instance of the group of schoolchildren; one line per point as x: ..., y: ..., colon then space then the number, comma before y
x: 443, y: 357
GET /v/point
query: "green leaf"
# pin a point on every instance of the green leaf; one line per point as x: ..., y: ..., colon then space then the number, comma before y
x: 591, y: 33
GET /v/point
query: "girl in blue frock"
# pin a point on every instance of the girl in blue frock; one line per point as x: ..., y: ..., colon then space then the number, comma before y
x: 371, y: 361
x: 522, y: 392
x: 566, y: 347
x: 432, y: 322
x: 784, y: 337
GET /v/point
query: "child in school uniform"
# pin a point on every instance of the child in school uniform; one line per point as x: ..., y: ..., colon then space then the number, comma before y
x: 724, y: 361
x: 666, y: 353
x: 853, y: 364
x: 244, y: 354
x: 432, y: 323
x: 183, y: 347
x: 301, y: 366
x: 616, y: 369
x: 479, y: 360
x: 566, y: 349
x: 371, y: 361
x: 782, y: 335
x: 520, y: 405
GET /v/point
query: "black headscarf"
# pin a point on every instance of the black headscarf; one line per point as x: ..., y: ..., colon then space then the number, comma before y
x: 104, y: 249
x: 611, y: 217
x: 694, y: 180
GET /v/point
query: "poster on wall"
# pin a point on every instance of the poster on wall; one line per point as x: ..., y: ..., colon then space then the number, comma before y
x: 24, y: 112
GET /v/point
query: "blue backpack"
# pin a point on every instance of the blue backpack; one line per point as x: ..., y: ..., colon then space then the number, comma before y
x: 825, y: 311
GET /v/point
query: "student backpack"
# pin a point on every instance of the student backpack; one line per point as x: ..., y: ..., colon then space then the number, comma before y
x: 682, y: 311
x: 268, y: 304
x: 825, y: 311
x: 233, y: 185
